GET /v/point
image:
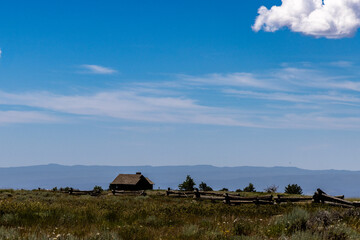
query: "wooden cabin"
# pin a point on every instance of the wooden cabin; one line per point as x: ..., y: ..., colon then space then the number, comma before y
x: 131, y: 182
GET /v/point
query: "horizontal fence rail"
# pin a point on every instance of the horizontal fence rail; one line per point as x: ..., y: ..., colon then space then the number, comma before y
x: 228, y: 198
x: 321, y: 197
x: 232, y: 199
x: 76, y: 192
x: 128, y: 193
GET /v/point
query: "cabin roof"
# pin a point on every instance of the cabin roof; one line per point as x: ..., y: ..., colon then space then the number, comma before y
x: 129, y: 179
x: 151, y: 182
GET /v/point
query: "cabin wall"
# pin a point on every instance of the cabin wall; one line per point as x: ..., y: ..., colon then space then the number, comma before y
x: 139, y: 186
x: 124, y: 187
x: 143, y: 184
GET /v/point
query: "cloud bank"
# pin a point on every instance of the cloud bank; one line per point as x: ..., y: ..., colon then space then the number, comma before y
x: 289, y: 97
x: 331, y: 19
x: 121, y: 105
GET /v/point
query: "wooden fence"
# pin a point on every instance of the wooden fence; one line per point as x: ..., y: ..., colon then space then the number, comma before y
x: 232, y: 199
x: 79, y: 192
x: 321, y: 197
x: 128, y: 193
x: 76, y: 192
x: 227, y: 198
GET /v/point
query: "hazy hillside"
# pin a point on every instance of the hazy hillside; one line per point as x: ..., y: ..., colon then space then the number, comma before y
x: 85, y: 177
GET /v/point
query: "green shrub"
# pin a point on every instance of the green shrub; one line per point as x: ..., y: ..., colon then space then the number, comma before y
x: 66, y: 189
x: 322, y: 219
x: 250, y: 188
x: 305, y: 235
x: 293, y: 189
x: 289, y: 223
x: 271, y: 189
x: 204, y: 187
x: 340, y: 232
x: 98, y: 189
x: 190, y: 230
x: 188, y: 184
x: 243, y: 228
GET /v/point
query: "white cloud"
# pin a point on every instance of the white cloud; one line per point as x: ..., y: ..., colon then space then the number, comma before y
x: 282, y: 98
x: 132, y: 106
x: 342, y: 64
x: 96, y: 69
x: 240, y: 79
x: 298, y: 98
x: 283, y: 79
x: 334, y: 19
x: 314, y: 121
x: 7, y: 117
x: 125, y: 105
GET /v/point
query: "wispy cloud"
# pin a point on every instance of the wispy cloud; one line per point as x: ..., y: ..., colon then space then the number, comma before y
x: 130, y: 106
x: 342, y: 64
x: 96, y: 69
x: 288, y: 97
x: 231, y: 79
x: 283, y: 79
x: 8, y: 117
x: 126, y: 106
x: 297, y: 98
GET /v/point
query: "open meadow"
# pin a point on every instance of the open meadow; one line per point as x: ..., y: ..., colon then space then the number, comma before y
x: 54, y: 215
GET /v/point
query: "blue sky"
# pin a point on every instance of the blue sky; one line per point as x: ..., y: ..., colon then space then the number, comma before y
x: 180, y: 83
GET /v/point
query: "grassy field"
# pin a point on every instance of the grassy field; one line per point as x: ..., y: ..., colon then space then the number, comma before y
x: 51, y: 215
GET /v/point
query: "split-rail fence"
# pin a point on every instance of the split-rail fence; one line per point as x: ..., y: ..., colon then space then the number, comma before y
x: 233, y: 199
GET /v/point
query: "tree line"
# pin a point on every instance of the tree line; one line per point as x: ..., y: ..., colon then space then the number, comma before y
x: 189, y: 185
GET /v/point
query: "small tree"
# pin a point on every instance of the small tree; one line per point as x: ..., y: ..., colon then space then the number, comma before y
x: 224, y: 190
x: 188, y: 184
x: 271, y: 189
x: 98, y: 189
x: 250, y: 188
x: 293, y: 189
x: 204, y: 187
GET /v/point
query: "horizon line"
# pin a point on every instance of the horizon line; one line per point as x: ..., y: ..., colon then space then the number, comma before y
x: 158, y: 166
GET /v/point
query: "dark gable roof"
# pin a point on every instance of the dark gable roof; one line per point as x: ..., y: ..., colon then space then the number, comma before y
x: 129, y: 179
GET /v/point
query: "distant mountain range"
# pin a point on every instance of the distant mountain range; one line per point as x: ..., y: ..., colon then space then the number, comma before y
x: 334, y: 182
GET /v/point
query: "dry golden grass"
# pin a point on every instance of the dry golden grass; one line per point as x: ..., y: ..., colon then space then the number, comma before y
x: 53, y: 215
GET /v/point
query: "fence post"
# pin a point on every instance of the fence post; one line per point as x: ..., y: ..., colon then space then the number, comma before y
x: 227, y: 198
x: 196, y: 193
x: 322, y: 199
x: 168, y: 192
x: 318, y: 196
